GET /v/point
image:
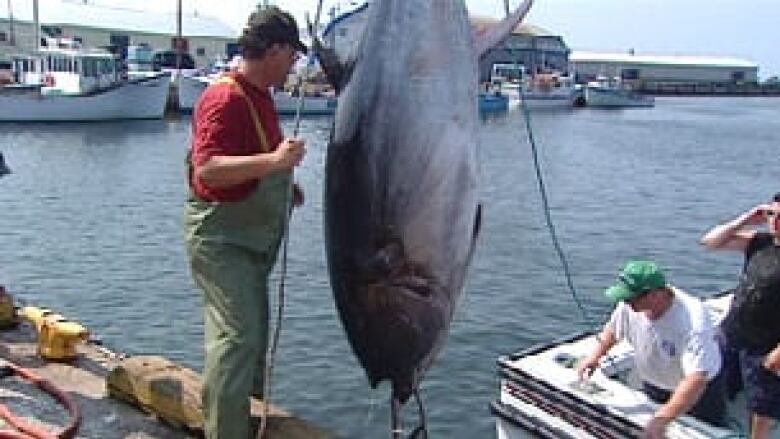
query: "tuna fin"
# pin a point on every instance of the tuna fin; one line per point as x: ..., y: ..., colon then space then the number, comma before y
x: 495, y: 34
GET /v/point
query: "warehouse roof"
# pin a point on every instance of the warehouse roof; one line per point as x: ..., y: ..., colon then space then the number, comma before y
x: 80, y: 13
x: 676, y: 60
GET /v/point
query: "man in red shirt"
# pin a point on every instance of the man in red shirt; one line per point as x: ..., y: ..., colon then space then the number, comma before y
x: 240, y: 179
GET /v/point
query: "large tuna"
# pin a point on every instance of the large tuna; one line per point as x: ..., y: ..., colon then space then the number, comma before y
x: 401, y: 209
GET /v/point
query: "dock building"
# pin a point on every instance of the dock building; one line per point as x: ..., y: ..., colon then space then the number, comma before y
x: 663, y: 70
x: 532, y: 47
x: 204, y: 38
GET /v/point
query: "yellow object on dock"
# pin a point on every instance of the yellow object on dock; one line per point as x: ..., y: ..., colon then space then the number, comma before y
x: 57, y: 336
x: 173, y: 394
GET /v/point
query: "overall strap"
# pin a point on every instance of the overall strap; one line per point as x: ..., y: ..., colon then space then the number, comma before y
x: 264, y: 146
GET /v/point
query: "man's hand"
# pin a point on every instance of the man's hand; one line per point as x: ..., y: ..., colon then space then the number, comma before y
x: 586, y: 367
x: 772, y: 360
x: 289, y: 153
x: 656, y: 428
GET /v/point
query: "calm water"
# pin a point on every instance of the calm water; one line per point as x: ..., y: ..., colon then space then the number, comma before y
x: 90, y: 225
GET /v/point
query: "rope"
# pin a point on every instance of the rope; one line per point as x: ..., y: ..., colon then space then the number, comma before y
x: 271, y: 355
x: 548, y: 217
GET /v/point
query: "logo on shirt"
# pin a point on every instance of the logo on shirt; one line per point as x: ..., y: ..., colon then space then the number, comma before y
x: 668, y: 348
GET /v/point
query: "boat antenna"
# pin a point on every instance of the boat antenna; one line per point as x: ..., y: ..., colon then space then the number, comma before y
x: 271, y: 354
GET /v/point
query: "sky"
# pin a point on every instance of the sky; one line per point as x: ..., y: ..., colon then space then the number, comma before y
x: 744, y: 29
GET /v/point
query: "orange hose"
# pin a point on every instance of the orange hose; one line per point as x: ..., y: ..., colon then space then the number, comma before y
x: 33, y: 431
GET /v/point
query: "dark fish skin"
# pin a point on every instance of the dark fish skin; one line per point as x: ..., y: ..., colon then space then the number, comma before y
x: 401, y: 187
x: 4, y: 169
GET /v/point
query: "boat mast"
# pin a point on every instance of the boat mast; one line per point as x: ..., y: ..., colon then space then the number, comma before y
x: 179, y: 41
x: 12, y: 38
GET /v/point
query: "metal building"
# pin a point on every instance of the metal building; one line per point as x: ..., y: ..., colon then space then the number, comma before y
x: 205, y: 38
x: 663, y: 69
x: 535, y: 49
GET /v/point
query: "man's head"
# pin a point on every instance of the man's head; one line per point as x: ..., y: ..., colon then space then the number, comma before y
x: 772, y: 215
x: 266, y: 27
x: 637, y: 285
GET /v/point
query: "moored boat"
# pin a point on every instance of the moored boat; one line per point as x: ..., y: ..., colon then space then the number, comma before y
x: 614, y: 93
x: 74, y: 84
x: 541, y: 393
x: 191, y: 87
x: 493, y: 102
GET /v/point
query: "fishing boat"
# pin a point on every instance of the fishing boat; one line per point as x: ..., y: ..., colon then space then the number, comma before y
x: 64, y: 82
x: 541, y: 393
x: 535, y: 90
x: 545, y: 90
x: 614, y: 93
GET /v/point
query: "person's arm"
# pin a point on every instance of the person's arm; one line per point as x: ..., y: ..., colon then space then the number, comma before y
x: 606, y: 339
x: 226, y: 170
x: 772, y: 360
x: 732, y: 235
x: 685, y: 396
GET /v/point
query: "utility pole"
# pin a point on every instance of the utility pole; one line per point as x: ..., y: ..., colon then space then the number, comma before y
x: 37, y: 27
x: 506, y: 8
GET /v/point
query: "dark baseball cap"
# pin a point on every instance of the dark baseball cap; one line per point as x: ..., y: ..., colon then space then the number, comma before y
x: 270, y: 25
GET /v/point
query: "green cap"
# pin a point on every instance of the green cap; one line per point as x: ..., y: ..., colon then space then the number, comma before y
x: 636, y: 278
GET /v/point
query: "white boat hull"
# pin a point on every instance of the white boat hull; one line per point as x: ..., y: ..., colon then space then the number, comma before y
x: 542, y: 396
x: 287, y: 104
x: 616, y: 98
x: 190, y: 88
x: 540, y: 100
x: 141, y: 99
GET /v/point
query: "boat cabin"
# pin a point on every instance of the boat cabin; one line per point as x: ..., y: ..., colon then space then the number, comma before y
x: 65, y: 69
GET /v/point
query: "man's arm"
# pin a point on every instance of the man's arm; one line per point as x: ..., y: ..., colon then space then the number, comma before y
x: 685, y: 396
x: 731, y: 235
x: 224, y: 170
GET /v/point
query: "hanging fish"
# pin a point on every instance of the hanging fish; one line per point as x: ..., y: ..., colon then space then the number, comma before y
x: 401, y: 186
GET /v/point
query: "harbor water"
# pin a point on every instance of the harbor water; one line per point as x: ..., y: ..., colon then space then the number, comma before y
x: 91, y: 225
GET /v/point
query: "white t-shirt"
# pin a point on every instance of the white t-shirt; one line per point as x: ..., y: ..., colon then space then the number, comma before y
x: 679, y: 343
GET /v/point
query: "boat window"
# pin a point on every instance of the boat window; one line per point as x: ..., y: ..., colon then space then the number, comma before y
x: 76, y: 66
x: 3, y: 37
x: 89, y: 67
x: 629, y: 74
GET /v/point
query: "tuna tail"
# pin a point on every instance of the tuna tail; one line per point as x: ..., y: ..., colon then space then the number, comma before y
x: 337, y: 71
x: 488, y: 39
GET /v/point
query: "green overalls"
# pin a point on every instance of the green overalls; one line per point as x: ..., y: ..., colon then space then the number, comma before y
x: 232, y: 248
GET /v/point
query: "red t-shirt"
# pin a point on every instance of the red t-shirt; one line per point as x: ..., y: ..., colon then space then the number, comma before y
x: 222, y: 125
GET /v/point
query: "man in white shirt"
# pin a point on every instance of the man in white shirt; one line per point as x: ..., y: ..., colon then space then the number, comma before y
x: 675, y: 349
